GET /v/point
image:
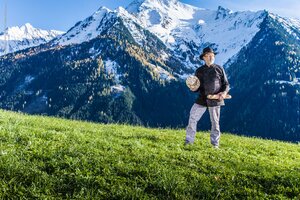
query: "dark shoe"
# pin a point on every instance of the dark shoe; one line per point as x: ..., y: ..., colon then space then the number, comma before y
x: 186, y: 143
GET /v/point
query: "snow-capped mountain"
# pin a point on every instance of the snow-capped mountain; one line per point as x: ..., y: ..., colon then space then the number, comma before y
x: 265, y: 81
x: 87, y: 29
x: 19, y: 38
x: 184, y: 29
x: 100, y: 22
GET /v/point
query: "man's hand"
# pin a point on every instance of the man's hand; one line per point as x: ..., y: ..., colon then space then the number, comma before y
x: 222, y: 96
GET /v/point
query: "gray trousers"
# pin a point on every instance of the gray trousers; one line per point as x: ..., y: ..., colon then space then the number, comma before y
x: 195, y: 115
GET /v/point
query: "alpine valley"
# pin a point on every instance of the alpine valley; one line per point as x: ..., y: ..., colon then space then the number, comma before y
x: 129, y: 65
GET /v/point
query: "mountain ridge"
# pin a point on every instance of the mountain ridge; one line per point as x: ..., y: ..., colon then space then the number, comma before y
x: 124, y: 72
x: 19, y: 38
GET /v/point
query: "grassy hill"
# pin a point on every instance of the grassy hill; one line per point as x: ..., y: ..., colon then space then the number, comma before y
x: 49, y: 158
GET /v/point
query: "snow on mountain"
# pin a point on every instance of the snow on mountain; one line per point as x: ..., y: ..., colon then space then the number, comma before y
x: 178, y: 24
x: 94, y: 25
x: 164, y: 17
x: 183, y: 28
x: 292, y: 31
x: 87, y: 29
x: 292, y: 26
x: 131, y: 24
x: 111, y: 68
x: 19, y: 38
x: 229, y: 32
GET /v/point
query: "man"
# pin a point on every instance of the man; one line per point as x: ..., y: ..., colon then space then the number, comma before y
x: 213, y: 81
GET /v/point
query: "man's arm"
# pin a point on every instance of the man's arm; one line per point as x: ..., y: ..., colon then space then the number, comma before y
x: 225, y: 85
x: 197, y: 75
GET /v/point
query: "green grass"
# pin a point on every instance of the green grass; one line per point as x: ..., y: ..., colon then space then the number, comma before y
x: 49, y: 158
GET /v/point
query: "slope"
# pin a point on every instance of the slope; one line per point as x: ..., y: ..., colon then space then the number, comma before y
x: 49, y: 158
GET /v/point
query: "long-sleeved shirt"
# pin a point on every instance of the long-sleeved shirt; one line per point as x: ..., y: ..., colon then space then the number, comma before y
x: 213, y: 80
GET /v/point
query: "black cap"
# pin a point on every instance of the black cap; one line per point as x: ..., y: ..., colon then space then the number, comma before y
x: 205, y: 51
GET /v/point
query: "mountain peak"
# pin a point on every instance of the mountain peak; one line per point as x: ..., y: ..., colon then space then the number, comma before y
x: 103, y: 9
x: 23, y: 37
x: 27, y: 28
x: 292, y: 25
x: 134, y: 6
x: 87, y: 29
x: 223, y: 12
x: 28, y: 25
x: 29, y: 32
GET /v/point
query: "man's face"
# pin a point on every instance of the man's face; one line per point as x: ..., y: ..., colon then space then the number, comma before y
x: 209, y: 58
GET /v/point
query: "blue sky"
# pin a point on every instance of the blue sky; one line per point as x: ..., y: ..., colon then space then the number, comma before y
x: 63, y: 14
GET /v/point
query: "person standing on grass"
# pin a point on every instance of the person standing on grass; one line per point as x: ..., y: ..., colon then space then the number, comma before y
x: 213, y: 81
